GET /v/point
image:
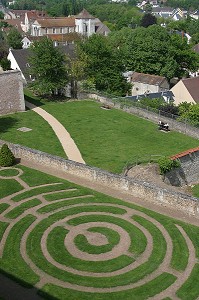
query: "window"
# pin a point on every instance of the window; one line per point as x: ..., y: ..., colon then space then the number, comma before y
x: 54, y: 30
x: 46, y: 30
x: 61, y: 30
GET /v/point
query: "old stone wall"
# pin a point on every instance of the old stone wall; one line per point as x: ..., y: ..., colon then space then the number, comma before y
x: 144, y: 190
x: 144, y: 113
x: 11, y: 92
x: 188, y: 173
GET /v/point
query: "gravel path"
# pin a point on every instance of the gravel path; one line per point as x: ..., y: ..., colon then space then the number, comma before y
x: 62, y: 134
x: 120, y: 249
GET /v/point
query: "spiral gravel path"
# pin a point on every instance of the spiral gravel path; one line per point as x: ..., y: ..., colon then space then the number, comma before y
x: 51, y: 246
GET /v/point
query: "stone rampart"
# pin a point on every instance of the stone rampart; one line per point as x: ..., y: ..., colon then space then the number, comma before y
x: 144, y: 113
x: 11, y: 91
x: 144, y: 190
x: 188, y: 173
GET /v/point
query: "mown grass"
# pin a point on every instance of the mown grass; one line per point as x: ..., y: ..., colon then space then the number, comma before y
x: 110, y: 139
x: 38, y: 191
x: 59, y: 252
x: 190, y: 289
x: 41, y: 137
x: 112, y: 236
x: 106, y: 139
x: 9, y: 187
x: 8, y: 172
x: 3, y: 226
x: 3, y: 206
x: 143, y: 292
x: 11, y: 261
x: 195, y: 190
x: 17, y: 211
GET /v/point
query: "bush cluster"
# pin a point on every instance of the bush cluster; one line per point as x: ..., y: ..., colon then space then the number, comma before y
x: 7, y: 158
x: 166, y: 164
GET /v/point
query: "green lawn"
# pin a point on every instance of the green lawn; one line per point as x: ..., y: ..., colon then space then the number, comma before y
x: 107, y: 139
x: 195, y: 190
x: 63, y: 210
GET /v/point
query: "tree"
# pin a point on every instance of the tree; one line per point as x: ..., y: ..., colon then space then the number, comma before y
x: 1, y: 15
x: 148, y: 20
x: 3, y: 46
x: 47, y: 66
x: 189, y: 112
x: 6, y: 156
x: 14, y: 39
x: 154, y: 50
x: 104, y: 65
x: 5, y: 64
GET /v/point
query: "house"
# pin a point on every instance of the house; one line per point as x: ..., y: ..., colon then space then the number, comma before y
x: 83, y: 24
x: 168, y: 12
x: 146, y: 83
x: 186, y: 90
x: 166, y: 96
x: 30, y: 17
x: 19, y: 59
x: 195, y: 15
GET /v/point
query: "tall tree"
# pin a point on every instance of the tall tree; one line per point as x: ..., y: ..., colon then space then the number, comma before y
x: 14, y: 39
x: 104, y: 65
x: 47, y: 66
x: 148, y: 20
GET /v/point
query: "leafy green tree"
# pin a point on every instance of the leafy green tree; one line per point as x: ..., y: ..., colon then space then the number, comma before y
x: 189, y: 112
x: 14, y: 39
x: 5, y: 64
x: 3, y: 46
x: 153, y: 50
x: 47, y: 66
x: 153, y: 103
x: 1, y: 15
x: 148, y: 20
x: 6, y: 156
x: 104, y: 65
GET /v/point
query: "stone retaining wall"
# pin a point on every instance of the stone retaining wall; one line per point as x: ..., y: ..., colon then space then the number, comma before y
x: 188, y: 173
x: 144, y: 113
x: 150, y: 192
x: 11, y: 91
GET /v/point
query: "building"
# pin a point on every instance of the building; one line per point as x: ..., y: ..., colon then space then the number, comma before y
x: 186, y: 90
x: 83, y: 24
x: 146, y: 83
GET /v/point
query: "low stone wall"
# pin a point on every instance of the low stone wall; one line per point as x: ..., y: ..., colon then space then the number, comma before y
x: 144, y: 113
x: 144, y: 190
x: 188, y: 173
x: 11, y: 91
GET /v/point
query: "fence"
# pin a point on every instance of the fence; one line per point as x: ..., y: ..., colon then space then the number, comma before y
x: 149, y: 113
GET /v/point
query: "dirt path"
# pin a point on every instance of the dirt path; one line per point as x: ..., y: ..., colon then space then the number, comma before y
x: 168, y: 211
x: 64, y: 137
x: 121, y: 248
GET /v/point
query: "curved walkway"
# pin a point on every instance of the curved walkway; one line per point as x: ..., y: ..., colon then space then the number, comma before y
x: 68, y: 144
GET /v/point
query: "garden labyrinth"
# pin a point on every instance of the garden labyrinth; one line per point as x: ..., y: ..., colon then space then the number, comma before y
x: 69, y: 241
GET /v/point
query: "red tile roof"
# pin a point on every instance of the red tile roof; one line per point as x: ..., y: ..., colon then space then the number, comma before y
x: 57, y: 22
x: 84, y: 14
x: 187, y: 152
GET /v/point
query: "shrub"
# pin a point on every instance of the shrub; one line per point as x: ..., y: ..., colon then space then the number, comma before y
x: 166, y: 164
x: 6, y: 156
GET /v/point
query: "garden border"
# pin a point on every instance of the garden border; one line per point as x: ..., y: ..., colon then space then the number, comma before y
x: 141, y: 189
